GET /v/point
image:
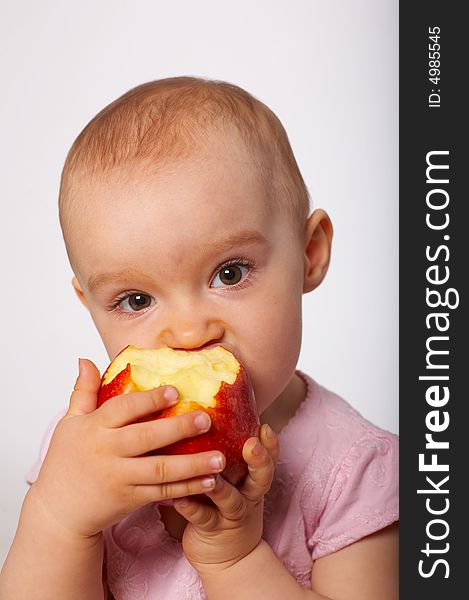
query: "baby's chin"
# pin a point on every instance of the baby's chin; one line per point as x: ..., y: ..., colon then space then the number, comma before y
x: 280, y: 410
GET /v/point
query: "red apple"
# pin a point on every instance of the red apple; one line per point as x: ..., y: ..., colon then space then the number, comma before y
x: 211, y: 379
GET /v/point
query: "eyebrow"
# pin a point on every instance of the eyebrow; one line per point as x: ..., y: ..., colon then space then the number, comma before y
x: 242, y: 238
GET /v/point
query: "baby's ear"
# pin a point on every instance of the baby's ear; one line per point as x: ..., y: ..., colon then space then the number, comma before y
x: 79, y: 291
x: 318, y: 241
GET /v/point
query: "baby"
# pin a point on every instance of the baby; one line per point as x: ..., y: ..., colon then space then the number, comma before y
x: 187, y: 223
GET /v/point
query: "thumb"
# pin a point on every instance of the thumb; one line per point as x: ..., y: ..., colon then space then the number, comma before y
x: 84, y: 397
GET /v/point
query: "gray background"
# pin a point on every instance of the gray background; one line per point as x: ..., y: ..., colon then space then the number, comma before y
x: 329, y: 70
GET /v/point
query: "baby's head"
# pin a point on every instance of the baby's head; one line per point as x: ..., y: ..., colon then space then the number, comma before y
x: 185, y: 219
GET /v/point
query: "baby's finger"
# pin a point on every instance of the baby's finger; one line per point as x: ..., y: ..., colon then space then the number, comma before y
x: 269, y: 440
x: 203, y: 515
x: 261, y: 466
x: 85, y: 392
x: 129, y: 408
x: 139, y: 438
x: 144, y: 494
x: 151, y: 470
x: 228, y: 499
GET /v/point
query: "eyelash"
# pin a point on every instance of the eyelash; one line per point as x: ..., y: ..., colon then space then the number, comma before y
x: 114, y: 305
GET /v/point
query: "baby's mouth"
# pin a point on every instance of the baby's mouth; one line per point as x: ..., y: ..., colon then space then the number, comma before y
x: 208, y: 345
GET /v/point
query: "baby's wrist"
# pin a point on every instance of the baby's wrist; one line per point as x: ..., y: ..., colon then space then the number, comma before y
x: 222, y: 569
x: 38, y: 515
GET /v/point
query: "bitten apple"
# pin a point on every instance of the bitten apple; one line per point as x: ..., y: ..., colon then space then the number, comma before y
x: 211, y: 379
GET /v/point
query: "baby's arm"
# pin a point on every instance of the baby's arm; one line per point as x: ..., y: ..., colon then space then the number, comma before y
x: 46, y: 561
x: 94, y: 474
x: 365, y: 570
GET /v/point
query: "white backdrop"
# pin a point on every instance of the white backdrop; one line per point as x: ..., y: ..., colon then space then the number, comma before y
x: 329, y: 71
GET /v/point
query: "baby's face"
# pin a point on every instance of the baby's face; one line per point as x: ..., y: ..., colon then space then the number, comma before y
x: 190, y: 256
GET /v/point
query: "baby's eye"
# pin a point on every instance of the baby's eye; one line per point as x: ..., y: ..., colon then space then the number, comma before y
x: 230, y: 274
x: 135, y: 302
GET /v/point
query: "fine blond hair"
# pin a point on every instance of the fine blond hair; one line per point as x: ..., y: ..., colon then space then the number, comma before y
x: 168, y: 120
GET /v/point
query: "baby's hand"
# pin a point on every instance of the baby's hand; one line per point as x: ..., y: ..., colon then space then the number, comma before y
x: 94, y: 475
x: 219, y: 536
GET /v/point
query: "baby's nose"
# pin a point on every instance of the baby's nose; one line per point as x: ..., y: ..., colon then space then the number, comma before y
x: 192, y: 333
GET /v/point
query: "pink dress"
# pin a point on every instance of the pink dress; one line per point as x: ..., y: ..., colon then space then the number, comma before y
x: 336, y: 481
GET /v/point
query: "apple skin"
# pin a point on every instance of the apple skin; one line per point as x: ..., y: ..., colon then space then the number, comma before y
x: 234, y: 419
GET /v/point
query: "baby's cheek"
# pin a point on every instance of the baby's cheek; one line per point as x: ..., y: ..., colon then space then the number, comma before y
x: 273, y: 356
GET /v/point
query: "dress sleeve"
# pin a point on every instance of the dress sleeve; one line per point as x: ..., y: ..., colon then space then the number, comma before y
x: 363, y: 494
x: 33, y: 473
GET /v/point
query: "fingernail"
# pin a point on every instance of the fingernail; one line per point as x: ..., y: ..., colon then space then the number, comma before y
x: 183, y: 502
x: 208, y: 482
x: 202, y: 421
x: 268, y: 432
x: 171, y: 395
x: 257, y: 449
x: 216, y: 462
x: 80, y: 366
